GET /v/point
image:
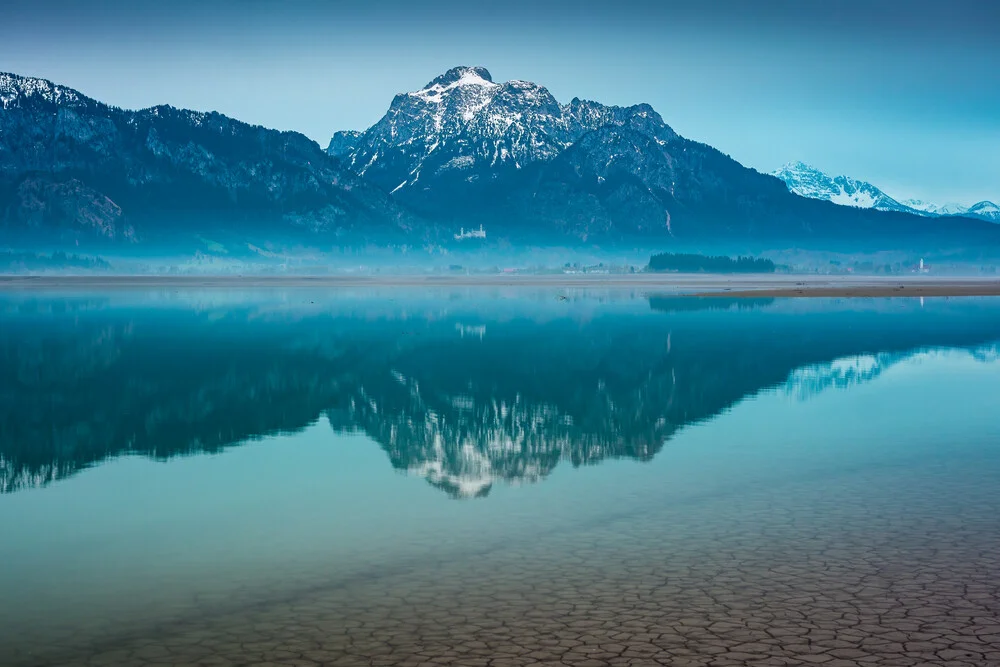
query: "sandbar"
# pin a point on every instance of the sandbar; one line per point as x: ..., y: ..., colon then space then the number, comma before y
x: 728, y: 285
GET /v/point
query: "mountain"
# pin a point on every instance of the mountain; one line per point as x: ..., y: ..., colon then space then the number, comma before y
x: 462, y: 128
x: 74, y: 170
x: 467, y: 150
x: 807, y: 181
x: 985, y: 210
x: 934, y: 209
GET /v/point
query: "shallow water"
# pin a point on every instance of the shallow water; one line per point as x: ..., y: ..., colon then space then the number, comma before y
x: 525, y: 476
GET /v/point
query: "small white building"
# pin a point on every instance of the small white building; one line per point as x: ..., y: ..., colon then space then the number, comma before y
x: 471, y: 234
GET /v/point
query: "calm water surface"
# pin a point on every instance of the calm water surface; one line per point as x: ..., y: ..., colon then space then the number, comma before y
x: 395, y: 477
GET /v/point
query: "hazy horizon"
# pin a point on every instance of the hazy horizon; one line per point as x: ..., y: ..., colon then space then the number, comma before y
x: 902, y: 97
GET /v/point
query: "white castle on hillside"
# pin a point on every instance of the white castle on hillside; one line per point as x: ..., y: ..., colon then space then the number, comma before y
x: 471, y: 234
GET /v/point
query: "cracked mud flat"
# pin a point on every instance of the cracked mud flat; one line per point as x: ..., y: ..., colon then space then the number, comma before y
x: 875, y: 567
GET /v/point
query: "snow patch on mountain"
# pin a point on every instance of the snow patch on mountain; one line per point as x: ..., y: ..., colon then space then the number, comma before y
x: 468, y: 76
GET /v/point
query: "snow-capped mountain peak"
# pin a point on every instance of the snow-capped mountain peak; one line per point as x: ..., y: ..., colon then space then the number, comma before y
x: 465, y: 101
x: 456, y: 77
x: 808, y: 181
x: 951, y: 208
x: 986, y: 210
x: 921, y: 205
x: 935, y: 209
x: 464, y: 125
x: 468, y: 89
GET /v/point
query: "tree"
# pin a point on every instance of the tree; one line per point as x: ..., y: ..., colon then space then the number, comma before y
x: 691, y: 263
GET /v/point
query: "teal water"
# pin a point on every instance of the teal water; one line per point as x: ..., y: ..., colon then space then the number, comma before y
x: 169, y: 459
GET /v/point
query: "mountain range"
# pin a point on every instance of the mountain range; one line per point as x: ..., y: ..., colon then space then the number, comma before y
x: 462, y: 151
x: 73, y: 170
x: 466, y: 149
x: 808, y: 181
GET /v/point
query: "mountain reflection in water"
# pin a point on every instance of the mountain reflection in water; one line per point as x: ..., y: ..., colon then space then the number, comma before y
x: 467, y: 390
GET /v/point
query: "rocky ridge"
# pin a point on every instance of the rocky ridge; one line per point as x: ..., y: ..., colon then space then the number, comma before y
x: 73, y: 170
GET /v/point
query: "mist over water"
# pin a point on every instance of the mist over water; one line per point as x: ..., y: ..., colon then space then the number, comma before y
x: 221, y: 464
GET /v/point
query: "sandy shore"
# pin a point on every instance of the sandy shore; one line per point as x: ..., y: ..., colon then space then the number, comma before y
x: 894, y: 289
x: 691, y: 284
x: 859, y: 291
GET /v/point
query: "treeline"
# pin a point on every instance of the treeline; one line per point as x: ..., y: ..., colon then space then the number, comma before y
x: 14, y: 262
x: 687, y: 263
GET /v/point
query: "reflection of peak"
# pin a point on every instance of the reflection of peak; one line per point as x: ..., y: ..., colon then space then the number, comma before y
x: 845, y: 372
x: 462, y: 485
x: 462, y: 446
x: 841, y: 373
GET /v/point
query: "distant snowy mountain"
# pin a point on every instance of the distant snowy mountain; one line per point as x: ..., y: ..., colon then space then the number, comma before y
x: 931, y: 208
x: 985, y: 210
x: 807, y: 181
x: 920, y: 205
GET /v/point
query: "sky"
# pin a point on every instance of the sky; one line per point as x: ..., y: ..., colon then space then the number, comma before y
x: 903, y: 94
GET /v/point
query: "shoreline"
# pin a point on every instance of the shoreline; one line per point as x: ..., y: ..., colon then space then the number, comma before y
x: 697, y: 285
x: 936, y: 290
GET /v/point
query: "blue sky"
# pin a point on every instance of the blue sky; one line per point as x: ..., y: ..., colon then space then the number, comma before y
x: 904, y: 94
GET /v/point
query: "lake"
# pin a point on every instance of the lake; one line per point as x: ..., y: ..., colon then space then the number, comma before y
x: 497, y: 476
